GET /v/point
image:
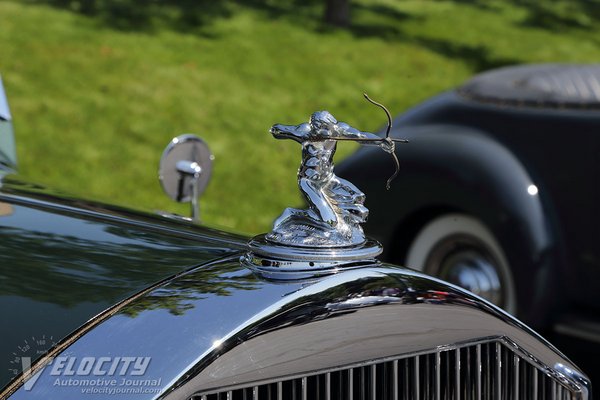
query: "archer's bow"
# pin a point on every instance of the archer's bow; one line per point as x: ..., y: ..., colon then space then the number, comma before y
x: 389, y: 141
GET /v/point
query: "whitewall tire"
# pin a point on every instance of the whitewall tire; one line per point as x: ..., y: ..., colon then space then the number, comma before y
x: 460, y: 249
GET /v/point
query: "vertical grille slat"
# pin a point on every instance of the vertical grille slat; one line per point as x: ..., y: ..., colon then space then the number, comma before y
x: 478, y: 372
x: 406, y: 379
x: 394, y: 380
x: 373, y: 382
x: 438, y: 384
x: 416, y: 380
x: 498, y: 380
x: 488, y: 370
x: 457, y: 374
x: 350, y: 384
x: 516, y: 386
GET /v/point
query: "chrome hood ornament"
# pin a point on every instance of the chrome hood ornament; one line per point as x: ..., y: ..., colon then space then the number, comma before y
x: 326, y: 235
x: 335, y: 206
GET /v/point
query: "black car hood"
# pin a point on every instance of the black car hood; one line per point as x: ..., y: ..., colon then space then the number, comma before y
x: 63, y: 261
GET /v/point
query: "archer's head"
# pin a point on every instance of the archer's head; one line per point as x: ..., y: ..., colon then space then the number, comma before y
x: 322, y: 123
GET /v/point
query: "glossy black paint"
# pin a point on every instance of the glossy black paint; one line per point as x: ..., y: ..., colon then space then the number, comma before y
x: 63, y: 261
x: 479, y: 159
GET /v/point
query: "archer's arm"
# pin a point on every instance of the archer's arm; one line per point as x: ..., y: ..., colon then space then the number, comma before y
x: 346, y: 131
x: 298, y: 133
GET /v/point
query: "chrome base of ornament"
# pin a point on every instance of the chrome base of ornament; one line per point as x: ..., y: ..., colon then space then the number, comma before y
x: 280, y: 262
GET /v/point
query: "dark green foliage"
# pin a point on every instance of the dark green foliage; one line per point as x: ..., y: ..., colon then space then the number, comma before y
x: 149, y: 14
x: 561, y: 15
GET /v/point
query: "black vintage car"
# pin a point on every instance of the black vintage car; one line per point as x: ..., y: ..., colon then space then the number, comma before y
x: 498, y: 193
x: 110, y: 303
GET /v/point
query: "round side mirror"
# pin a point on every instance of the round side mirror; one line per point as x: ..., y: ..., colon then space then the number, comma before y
x: 185, y: 169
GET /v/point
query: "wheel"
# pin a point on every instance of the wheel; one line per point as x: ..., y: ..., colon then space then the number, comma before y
x: 461, y: 250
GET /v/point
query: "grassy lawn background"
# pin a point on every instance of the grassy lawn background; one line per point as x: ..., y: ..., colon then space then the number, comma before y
x: 95, y: 105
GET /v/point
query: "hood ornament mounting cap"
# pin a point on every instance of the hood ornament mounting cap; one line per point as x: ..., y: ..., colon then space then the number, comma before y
x: 327, y: 235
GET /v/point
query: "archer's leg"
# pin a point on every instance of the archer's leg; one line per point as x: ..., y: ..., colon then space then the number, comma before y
x: 286, y: 215
x: 346, y: 191
x: 318, y: 201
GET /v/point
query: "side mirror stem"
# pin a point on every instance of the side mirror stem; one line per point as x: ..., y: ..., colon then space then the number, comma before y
x: 192, y: 170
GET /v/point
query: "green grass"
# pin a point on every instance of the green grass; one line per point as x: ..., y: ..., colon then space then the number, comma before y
x: 94, y: 106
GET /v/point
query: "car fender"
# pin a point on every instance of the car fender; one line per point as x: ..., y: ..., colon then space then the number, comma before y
x: 452, y: 168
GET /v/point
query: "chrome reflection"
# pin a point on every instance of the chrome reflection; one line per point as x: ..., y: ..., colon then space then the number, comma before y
x: 375, y: 314
x: 492, y: 369
x: 296, y: 329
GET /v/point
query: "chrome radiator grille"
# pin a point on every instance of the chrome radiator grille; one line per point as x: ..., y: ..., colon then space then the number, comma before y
x: 490, y: 370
